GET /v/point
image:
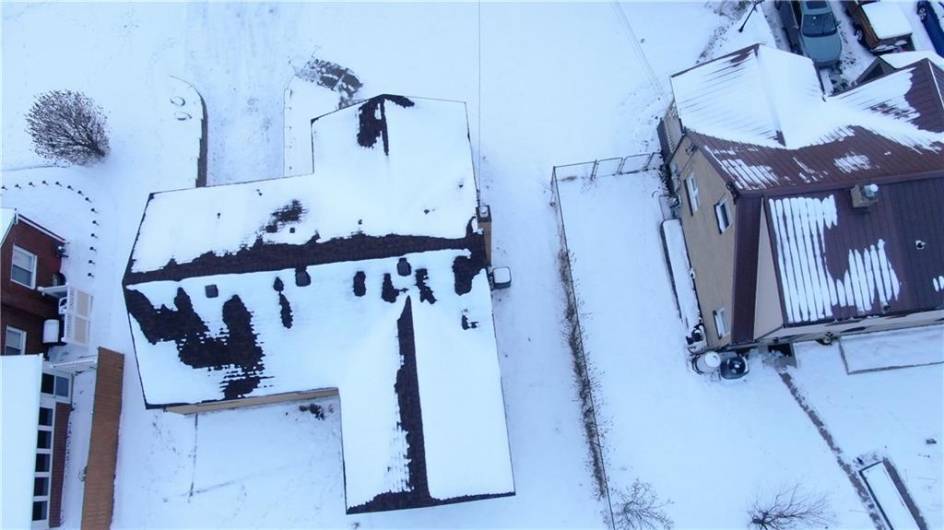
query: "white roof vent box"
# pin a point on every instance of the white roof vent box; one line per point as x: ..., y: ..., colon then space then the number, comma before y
x: 864, y: 195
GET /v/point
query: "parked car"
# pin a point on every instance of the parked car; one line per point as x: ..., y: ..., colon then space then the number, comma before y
x: 879, y: 26
x: 931, y: 14
x: 812, y: 30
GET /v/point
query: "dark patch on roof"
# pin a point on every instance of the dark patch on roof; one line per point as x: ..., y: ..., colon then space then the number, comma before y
x: 388, y: 293
x: 372, y: 116
x: 466, y: 268
x: 261, y: 256
x: 237, y: 348
x: 360, y: 283
x: 290, y: 213
x: 468, y: 324
x: 403, y: 267
x: 411, y: 422
x: 285, y: 311
x: 426, y: 294
x: 278, y: 285
x: 302, y: 278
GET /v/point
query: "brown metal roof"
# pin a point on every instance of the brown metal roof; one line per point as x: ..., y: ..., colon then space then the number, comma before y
x: 859, y: 262
x: 845, y: 156
x: 838, y: 262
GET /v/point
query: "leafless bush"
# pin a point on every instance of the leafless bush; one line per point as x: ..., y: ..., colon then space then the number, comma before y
x: 585, y: 383
x: 67, y: 126
x: 639, y: 508
x: 791, y: 508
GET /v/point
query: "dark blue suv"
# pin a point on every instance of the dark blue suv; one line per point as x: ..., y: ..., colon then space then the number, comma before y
x: 931, y: 14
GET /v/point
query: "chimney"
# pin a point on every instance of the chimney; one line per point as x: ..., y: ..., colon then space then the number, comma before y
x: 864, y: 195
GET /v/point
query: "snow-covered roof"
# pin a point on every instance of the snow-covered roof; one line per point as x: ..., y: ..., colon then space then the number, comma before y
x: 837, y: 262
x: 19, y: 404
x: 424, y: 184
x: 887, y: 19
x: 756, y: 95
x: 367, y: 278
x: 761, y: 118
x: 903, y: 59
x: 7, y: 219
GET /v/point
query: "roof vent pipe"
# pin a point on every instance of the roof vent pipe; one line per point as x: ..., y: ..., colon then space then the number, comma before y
x: 864, y: 195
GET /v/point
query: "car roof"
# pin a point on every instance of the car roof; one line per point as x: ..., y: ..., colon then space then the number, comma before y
x: 815, y: 7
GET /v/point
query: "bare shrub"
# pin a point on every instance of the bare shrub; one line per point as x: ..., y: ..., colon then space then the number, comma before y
x: 789, y: 509
x: 639, y: 508
x: 69, y: 127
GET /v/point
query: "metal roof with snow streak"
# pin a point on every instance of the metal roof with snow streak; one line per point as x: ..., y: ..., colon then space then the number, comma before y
x: 791, y: 154
x: 367, y: 278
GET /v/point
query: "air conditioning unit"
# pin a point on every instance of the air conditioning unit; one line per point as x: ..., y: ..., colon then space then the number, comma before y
x: 51, y: 331
x: 864, y: 195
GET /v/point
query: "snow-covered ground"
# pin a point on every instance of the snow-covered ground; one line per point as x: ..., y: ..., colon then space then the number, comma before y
x: 689, y: 436
x: 895, y: 414
x: 545, y: 85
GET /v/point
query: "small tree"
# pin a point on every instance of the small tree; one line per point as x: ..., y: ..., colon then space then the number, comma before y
x: 67, y: 126
x: 791, y: 508
x: 639, y: 508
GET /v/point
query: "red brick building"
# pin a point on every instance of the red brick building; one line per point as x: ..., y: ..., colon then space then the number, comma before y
x: 30, y: 258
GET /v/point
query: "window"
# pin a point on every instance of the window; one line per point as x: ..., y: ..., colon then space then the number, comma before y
x: 42, y: 462
x: 23, y: 270
x: 722, y: 216
x: 45, y: 416
x: 62, y: 386
x: 48, y: 384
x: 39, y: 510
x: 40, y: 486
x: 691, y: 185
x: 44, y: 440
x: 15, y: 341
x: 721, y: 322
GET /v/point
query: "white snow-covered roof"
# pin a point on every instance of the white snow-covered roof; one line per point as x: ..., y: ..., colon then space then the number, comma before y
x: 887, y: 19
x: 757, y: 95
x: 366, y: 278
x: 19, y: 404
x: 903, y: 59
x: 7, y: 219
x: 762, y: 120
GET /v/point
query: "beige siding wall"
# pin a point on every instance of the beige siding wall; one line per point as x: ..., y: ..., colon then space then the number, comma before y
x: 673, y: 127
x: 767, y: 313
x: 711, y: 252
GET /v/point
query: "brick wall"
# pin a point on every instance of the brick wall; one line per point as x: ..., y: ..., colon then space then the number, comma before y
x: 22, y: 307
x: 61, y: 430
x: 103, y: 447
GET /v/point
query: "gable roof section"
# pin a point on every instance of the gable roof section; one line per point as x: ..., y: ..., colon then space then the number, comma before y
x: 837, y: 262
x: 794, y: 137
x: 367, y: 278
x: 750, y: 96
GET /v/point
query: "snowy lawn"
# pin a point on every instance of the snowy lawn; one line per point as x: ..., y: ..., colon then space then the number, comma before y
x: 895, y: 414
x: 710, y: 446
x: 545, y: 85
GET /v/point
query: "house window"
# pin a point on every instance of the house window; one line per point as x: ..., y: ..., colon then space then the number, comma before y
x: 15, y: 341
x: 691, y: 186
x: 722, y: 216
x: 23, y: 270
x: 721, y: 322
